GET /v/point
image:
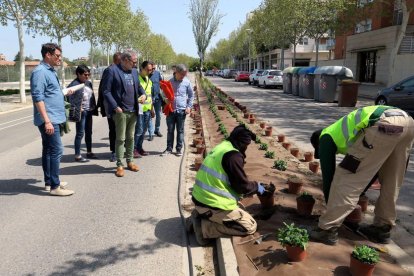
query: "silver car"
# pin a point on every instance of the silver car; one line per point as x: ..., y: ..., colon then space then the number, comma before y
x: 399, y: 95
x: 254, y: 75
x: 270, y: 78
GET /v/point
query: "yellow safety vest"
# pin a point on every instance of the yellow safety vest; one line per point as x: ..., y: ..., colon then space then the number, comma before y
x: 212, y: 186
x: 345, y: 131
x: 147, y: 85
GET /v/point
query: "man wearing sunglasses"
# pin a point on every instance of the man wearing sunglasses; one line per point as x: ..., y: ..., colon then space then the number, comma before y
x: 123, y: 92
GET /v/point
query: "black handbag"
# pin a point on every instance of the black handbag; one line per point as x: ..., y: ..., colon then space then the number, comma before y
x: 75, y: 109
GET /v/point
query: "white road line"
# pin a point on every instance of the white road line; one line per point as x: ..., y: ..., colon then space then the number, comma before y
x: 30, y: 120
x: 6, y: 123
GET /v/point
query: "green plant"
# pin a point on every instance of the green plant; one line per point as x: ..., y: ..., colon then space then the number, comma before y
x: 270, y: 154
x: 365, y: 254
x: 280, y: 165
x: 306, y: 196
x: 263, y: 146
x: 293, y: 236
x: 258, y: 140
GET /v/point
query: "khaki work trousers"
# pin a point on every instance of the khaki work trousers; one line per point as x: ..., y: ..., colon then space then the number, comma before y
x: 388, y: 156
x: 226, y: 223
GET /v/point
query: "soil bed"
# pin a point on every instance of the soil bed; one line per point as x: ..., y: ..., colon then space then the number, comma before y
x: 269, y: 256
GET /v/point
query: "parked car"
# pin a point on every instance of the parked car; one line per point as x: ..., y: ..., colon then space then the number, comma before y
x: 242, y: 76
x: 229, y: 73
x: 232, y: 73
x: 253, y: 76
x: 270, y: 78
x: 400, y: 95
x: 225, y: 73
x: 209, y: 73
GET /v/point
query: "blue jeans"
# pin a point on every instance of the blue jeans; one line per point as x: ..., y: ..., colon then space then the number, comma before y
x: 157, y: 109
x: 176, y: 119
x: 84, y: 128
x: 141, y: 128
x: 52, y: 150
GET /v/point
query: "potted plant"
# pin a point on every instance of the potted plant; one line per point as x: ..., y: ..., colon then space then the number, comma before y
x: 200, y: 149
x: 286, y: 145
x: 246, y: 115
x: 305, y: 203
x: 268, y: 131
x: 220, y: 107
x: 197, y: 141
x: 281, y: 138
x: 295, y: 152
x: 363, y: 202
x: 263, y: 146
x: 295, y: 185
x: 308, y: 156
x: 280, y: 165
x: 314, y: 166
x: 197, y: 163
x: 262, y: 125
x: 258, y: 140
x: 252, y: 120
x: 267, y: 199
x: 270, y: 154
x: 295, y: 240
x: 363, y: 260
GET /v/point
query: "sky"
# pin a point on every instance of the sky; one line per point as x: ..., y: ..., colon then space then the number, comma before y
x: 167, y: 17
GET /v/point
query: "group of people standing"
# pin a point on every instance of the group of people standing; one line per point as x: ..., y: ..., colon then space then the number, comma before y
x: 129, y: 98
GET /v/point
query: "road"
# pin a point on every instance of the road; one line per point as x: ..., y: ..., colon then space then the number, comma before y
x: 111, y: 226
x: 297, y: 118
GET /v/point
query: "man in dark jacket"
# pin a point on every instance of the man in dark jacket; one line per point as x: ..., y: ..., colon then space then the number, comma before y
x: 103, y: 105
x: 220, y: 182
x: 122, y: 92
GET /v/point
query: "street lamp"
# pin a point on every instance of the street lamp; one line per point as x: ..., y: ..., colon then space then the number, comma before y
x: 249, y: 31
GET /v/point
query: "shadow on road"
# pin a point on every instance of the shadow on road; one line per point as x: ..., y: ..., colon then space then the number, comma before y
x: 20, y: 186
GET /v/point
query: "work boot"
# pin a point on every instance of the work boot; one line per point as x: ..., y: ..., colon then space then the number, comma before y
x: 158, y: 134
x: 329, y: 237
x: 197, y: 229
x: 377, y: 234
x: 120, y: 171
x: 132, y: 167
x: 61, y: 192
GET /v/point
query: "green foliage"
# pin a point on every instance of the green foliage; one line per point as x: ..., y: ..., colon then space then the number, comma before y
x: 258, y: 140
x: 263, y: 146
x: 291, y: 235
x: 270, y: 154
x: 280, y: 165
x: 365, y: 254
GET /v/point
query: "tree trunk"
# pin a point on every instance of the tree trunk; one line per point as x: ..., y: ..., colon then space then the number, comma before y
x: 282, y: 59
x: 107, y: 55
x: 62, y: 65
x: 400, y: 35
x: 294, y: 55
x: 91, y: 64
x: 317, y: 51
x: 22, y: 84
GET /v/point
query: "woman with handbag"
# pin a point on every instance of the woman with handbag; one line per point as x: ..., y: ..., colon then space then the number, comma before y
x: 83, y: 107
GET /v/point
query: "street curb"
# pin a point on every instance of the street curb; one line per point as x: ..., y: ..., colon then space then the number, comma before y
x: 227, y: 261
x: 16, y: 109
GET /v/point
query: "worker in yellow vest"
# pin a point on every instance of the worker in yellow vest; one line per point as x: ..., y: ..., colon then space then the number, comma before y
x: 219, y: 184
x: 146, y: 110
x: 374, y: 139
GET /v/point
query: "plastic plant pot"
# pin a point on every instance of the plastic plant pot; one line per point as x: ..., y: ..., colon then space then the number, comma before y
x: 197, y: 163
x: 286, y: 145
x: 295, y: 185
x: 308, y: 156
x: 359, y: 268
x: 246, y: 115
x: 252, y: 120
x: 220, y: 107
x: 267, y: 200
x: 305, y: 205
x: 294, y: 152
x: 268, y: 131
x: 200, y: 149
x: 296, y: 253
x: 314, y: 166
x: 262, y: 125
x: 281, y: 138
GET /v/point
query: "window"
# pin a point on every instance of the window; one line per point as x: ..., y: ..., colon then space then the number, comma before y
x: 275, y: 73
x: 408, y: 83
x: 363, y: 26
x: 303, y: 41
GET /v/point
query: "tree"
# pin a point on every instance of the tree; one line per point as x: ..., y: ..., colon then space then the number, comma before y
x: 206, y: 20
x: 21, y: 12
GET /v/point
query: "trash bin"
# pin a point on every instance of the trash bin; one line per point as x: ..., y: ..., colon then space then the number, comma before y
x: 348, y: 94
x: 287, y: 80
x: 306, y: 78
x: 326, y: 82
x: 295, y: 81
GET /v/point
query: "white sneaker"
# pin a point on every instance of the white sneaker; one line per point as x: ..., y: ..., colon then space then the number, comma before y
x: 61, y: 192
x: 62, y: 185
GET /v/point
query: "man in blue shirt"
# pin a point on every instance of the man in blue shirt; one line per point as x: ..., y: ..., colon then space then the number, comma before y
x: 49, y: 114
x: 155, y: 77
x: 183, y: 102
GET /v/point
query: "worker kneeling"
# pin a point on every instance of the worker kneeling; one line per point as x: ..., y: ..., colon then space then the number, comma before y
x: 219, y: 184
x: 374, y: 139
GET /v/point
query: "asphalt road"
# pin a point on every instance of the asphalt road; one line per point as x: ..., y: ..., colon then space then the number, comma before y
x: 111, y: 226
x: 297, y: 118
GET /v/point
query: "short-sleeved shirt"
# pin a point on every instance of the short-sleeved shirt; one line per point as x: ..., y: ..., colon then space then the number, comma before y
x: 45, y: 87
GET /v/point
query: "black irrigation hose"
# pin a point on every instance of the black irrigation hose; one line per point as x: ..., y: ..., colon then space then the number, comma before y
x: 187, y: 240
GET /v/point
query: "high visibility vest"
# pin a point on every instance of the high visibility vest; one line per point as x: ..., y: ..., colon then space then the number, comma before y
x: 147, y: 85
x: 212, y: 186
x: 345, y: 131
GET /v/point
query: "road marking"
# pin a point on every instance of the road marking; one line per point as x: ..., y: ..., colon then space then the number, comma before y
x: 30, y: 120
x: 6, y: 123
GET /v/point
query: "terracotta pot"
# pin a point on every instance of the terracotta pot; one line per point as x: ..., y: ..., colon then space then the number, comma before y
x: 246, y: 115
x: 197, y: 163
x: 281, y: 138
x: 267, y: 200
x: 295, y: 253
x: 294, y: 152
x: 231, y: 100
x: 252, y: 120
x: 244, y: 109
x: 268, y: 131
x: 200, y: 149
x: 355, y: 216
x: 221, y: 107
x: 286, y: 145
x: 237, y: 104
x: 358, y: 268
x: 363, y: 202
x: 198, y: 130
x: 197, y: 141
x: 295, y: 185
x: 262, y: 125
x: 308, y: 156
x: 314, y: 166
x: 251, y: 115
x: 304, y: 206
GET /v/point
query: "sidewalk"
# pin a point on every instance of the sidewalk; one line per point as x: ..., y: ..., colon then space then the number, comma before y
x: 10, y: 103
x: 369, y: 91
